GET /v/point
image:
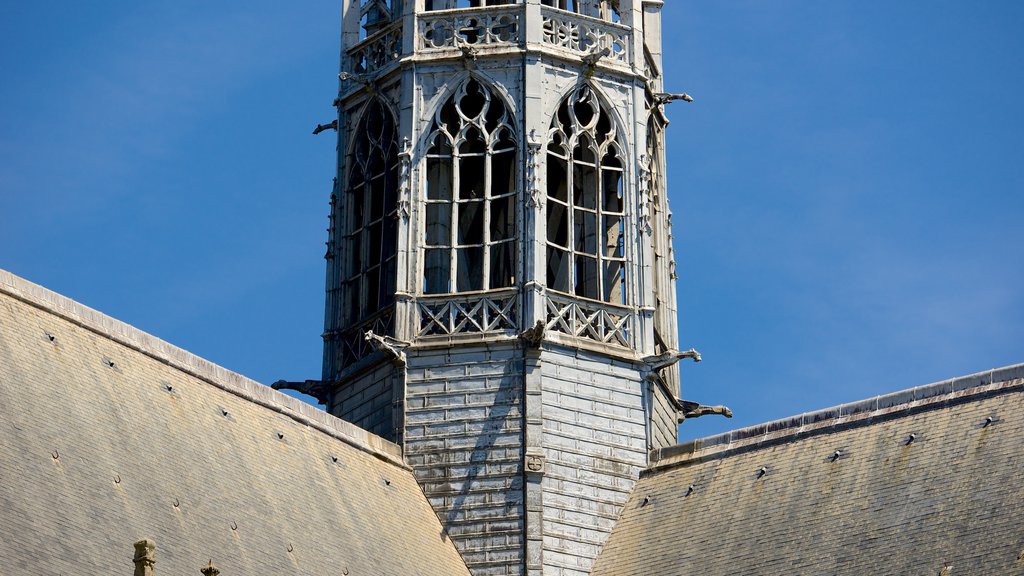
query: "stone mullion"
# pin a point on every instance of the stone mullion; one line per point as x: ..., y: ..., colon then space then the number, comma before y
x: 570, y: 233
x: 485, y: 283
x: 599, y: 223
x: 453, y: 235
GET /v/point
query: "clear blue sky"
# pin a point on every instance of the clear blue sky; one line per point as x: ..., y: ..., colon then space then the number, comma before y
x: 848, y: 187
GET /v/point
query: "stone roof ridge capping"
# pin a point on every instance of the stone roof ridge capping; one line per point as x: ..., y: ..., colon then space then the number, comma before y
x: 213, y: 374
x: 861, y: 412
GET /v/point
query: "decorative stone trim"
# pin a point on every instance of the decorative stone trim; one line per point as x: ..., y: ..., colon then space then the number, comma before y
x: 376, y: 51
x: 468, y: 313
x: 585, y: 35
x: 475, y: 27
x: 591, y: 320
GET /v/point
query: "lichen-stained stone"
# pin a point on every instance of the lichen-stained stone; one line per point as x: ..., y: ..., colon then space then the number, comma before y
x: 158, y: 444
x: 923, y: 481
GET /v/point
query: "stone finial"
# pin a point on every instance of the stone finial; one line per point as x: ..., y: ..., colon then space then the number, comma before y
x: 145, y: 557
x: 210, y: 570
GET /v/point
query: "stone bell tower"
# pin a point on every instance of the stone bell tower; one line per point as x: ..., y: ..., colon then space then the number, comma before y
x: 500, y: 277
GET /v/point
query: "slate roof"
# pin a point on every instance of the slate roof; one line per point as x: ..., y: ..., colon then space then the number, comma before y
x: 109, y: 435
x: 847, y: 490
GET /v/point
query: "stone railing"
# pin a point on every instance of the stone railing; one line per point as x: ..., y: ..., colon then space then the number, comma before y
x: 474, y: 27
x: 598, y: 321
x: 494, y: 311
x: 586, y: 35
x: 376, y: 51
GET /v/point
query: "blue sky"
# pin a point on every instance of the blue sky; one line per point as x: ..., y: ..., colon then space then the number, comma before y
x: 848, y: 187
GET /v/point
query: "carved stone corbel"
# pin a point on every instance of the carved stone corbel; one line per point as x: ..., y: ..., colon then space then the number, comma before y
x: 469, y: 53
x: 532, y: 337
x: 591, y: 59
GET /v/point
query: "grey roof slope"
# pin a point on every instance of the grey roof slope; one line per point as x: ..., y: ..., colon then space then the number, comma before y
x: 109, y: 435
x: 907, y: 483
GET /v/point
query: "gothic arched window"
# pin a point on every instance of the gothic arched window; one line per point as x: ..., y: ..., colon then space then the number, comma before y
x: 372, y: 223
x: 586, y: 202
x: 470, y: 226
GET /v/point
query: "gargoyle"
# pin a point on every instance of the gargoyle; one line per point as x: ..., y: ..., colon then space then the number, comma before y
x: 591, y: 59
x: 695, y: 410
x: 666, y: 97
x: 533, y: 336
x: 469, y: 54
x: 322, y: 127
x: 366, y: 82
x: 315, y: 388
x: 390, y: 346
x: 666, y: 359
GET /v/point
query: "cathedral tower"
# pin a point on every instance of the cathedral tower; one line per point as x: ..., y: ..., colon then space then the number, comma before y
x: 500, y: 289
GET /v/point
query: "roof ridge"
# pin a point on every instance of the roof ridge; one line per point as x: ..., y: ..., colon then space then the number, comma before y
x: 889, y: 405
x: 213, y: 374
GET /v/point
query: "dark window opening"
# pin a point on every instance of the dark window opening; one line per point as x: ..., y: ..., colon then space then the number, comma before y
x: 372, y: 232
x: 586, y: 231
x: 470, y: 228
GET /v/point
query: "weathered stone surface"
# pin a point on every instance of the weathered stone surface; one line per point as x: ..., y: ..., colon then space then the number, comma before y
x: 846, y: 490
x: 595, y: 443
x: 464, y: 441
x: 156, y: 443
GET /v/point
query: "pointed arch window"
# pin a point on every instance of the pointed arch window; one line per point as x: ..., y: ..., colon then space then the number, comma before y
x: 470, y: 226
x: 661, y: 239
x: 372, y: 197
x: 586, y: 202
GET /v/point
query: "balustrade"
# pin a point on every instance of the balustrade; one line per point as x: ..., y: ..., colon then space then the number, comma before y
x: 586, y: 35
x: 487, y: 26
x: 597, y: 321
x: 376, y: 51
x: 494, y: 311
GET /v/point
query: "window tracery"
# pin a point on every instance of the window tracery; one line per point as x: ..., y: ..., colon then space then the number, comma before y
x: 431, y: 5
x: 604, y: 9
x: 470, y: 220
x: 585, y: 202
x: 372, y: 197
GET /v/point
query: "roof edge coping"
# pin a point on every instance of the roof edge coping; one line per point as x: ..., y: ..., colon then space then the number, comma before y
x: 214, y: 374
x: 890, y: 405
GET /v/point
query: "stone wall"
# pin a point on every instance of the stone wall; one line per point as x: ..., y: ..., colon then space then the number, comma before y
x: 464, y: 441
x: 664, y: 418
x: 368, y: 400
x: 595, y: 446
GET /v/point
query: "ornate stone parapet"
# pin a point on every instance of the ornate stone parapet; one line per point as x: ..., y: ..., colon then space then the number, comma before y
x: 584, y: 35
x: 472, y: 27
x: 376, y: 51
